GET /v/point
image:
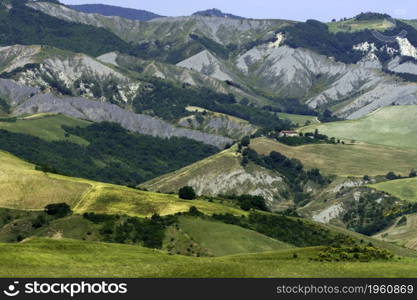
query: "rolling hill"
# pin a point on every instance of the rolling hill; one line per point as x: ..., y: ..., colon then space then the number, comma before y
x: 402, y: 232
x: 405, y: 189
x: 46, y: 126
x: 220, y: 239
x: 394, y: 126
x: 27, y: 188
x: 110, y: 10
x: 345, y: 160
x: 224, y: 174
x: 72, y: 258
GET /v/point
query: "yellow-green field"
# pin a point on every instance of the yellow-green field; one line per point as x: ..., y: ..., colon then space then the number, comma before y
x: 222, y: 239
x: 25, y: 188
x: 345, y: 160
x: 46, y: 126
x: 299, y: 119
x: 353, y: 25
x: 394, y: 126
x: 405, y: 189
x: 71, y: 258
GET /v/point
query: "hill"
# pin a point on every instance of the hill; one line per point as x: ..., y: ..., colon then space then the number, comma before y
x: 402, y: 232
x: 405, y: 189
x: 354, y: 25
x: 46, y: 126
x: 224, y: 174
x: 219, y: 239
x: 71, y: 258
x: 110, y: 154
x: 110, y: 10
x: 394, y: 126
x: 345, y: 160
x: 29, y: 189
x: 214, y: 12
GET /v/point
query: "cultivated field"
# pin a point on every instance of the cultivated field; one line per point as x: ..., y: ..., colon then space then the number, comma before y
x: 405, y: 189
x: 391, y: 126
x: 299, y: 119
x: 345, y: 160
x: 46, y: 126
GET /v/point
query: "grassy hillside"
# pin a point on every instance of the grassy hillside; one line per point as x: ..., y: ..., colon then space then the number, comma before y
x: 402, y: 232
x: 345, y: 160
x: 299, y: 119
x: 25, y: 188
x: 222, y: 239
x: 70, y: 258
x: 353, y: 25
x: 47, y: 127
x: 405, y: 189
x: 392, y: 126
x: 223, y: 174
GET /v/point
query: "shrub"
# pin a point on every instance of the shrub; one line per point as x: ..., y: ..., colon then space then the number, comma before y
x: 187, y: 193
x: 58, y: 210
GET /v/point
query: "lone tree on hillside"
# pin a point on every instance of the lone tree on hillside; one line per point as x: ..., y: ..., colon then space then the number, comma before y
x: 391, y: 176
x: 187, y: 193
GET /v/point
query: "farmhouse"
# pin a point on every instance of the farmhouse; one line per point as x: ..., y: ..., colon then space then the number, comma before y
x: 288, y: 133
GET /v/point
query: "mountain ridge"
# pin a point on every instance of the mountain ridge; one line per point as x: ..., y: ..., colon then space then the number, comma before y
x: 116, y: 11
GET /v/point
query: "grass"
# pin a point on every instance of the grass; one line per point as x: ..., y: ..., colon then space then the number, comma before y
x: 401, y: 234
x: 394, y: 126
x: 405, y: 189
x: 112, y: 199
x: 345, y: 160
x: 299, y: 119
x: 46, y: 126
x: 25, y: 188
x: 71, y: 258
x: 353, y: 25
x: 222, y: 239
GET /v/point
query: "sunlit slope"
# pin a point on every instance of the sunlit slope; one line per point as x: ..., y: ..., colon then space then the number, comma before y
x: 22, y: 187
x: 345, y: 160
x: 392, y: 126
x: 405, y: 189
x: 223, y: 239
x: 71, y: 258
x: 47, y: 127
x: 353, y: 25
x: 25, y: 188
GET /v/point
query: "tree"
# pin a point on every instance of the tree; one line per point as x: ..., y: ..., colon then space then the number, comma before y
x: 58, y: 210
x: 187, y: 193
x: 245, y: 141
x: 413, y: 173
x: 391, y: 176
x: 366, y: 178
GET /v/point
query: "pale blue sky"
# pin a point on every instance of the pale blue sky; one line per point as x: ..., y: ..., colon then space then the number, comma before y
x: 323, y: 10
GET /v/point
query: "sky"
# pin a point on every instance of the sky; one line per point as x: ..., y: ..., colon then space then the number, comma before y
x: 300, y: 10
